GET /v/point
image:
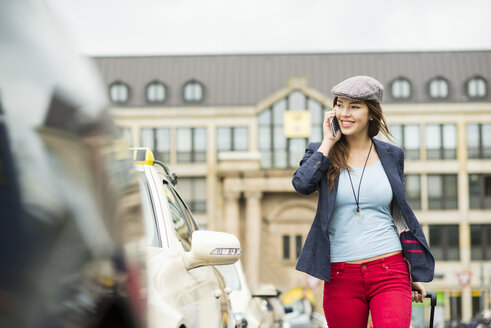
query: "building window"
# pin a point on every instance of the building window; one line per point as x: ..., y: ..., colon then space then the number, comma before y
x: 479, y: 140
x: 158, y: 140
x: 317, y: 117
x: 298, y: 245
x: 401, y: 88
x: 477, y: 88
x: 191, y: 145
x: 407, y: 137
x: 439, y: 88
x: 119, y: 92
x: 297, y: 101
x: 278, y: 151
x: 481, y: 242
x: 455, y: 299
x: 233, y: 138
x: 193, y: 190
x: 156, y: 92
x: 413, y: 190
x: 442, y: 191
x: 441, y: 141
x: 444, y: 242
x: 193, y: 91
x: 477, y: 303
x: 480, y: 191
x: 287, y: 247
x: 125, y: 133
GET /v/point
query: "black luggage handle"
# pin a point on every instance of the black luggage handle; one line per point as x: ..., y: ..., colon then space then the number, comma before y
x: 432, y: 296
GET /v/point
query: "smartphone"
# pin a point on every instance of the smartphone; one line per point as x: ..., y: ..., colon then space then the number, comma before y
x: 334, y: 125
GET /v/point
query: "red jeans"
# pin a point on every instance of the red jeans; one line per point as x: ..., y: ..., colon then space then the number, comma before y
x: 381, y: 286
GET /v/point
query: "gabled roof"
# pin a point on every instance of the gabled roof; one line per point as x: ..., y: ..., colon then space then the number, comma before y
x: 245, y: 80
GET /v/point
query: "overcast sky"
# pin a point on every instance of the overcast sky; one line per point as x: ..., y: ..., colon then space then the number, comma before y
x: 154, y: 27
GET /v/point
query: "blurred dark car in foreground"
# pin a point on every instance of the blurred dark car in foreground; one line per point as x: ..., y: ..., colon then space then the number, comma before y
x: 71, y: 235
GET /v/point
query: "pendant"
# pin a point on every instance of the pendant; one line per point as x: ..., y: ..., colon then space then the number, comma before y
x: 359, y: 214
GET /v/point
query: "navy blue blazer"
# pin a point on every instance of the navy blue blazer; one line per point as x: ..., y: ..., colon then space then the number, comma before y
x: 312, y: 176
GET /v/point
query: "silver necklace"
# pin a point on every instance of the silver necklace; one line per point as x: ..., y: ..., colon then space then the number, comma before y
x: 359, y: 215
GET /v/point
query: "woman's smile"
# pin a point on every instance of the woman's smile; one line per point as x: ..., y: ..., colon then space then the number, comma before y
x: 346, y: 123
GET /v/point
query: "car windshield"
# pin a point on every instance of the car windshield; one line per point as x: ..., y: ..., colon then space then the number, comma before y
x: 229, y: 273
x: 179, y: 219
x: 151, y: 230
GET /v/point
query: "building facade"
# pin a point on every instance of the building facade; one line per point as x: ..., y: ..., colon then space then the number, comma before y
x: 221, y: 123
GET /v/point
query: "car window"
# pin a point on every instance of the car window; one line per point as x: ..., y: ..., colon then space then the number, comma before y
x: 148, y: 209
x: 229, y: 273
x: 189, y: 217
x: 179, y: 219
x: 187, y: 212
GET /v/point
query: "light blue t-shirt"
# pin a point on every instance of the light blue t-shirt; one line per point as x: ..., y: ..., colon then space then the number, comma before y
x: 353, y: 239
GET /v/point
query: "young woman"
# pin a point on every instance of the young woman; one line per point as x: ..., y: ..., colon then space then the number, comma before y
x: 365, y: 241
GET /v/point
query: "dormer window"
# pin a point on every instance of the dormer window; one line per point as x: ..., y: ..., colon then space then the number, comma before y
x: 156, y: 92
x: 439, y: 88
x: 193, y: 91
x: 119, y: 92
x: 401, y: 88
x: 477, y: 88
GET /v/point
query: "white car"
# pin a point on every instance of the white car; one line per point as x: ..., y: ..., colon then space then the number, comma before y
x: 249, y: 311
x: 184, y: 290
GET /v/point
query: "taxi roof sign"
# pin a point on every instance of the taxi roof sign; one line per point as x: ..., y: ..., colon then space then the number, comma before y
x: 142, y: 156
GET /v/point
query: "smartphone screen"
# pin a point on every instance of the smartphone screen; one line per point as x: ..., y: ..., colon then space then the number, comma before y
x: 334, y: 125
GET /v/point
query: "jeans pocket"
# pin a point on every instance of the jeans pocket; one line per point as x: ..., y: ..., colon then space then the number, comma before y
x: 336, y: 273
x: 397, y: 269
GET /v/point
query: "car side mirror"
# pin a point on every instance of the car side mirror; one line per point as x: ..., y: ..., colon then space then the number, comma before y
x: 212, y: 248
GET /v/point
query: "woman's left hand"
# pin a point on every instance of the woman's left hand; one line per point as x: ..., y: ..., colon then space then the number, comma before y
x: 418, y: 293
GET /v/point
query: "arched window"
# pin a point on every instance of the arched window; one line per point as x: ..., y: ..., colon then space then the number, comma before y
x: 119, y: 92
x: 401, y: 88
x: 477, y: 87
x: 193, y: 91
x: 156, y: 92
x: 277, y: 150
x: 438, y: 88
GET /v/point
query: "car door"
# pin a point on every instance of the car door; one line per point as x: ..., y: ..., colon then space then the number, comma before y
x: 163, y: 308
x: 206, y: 288
x: 168, y: 280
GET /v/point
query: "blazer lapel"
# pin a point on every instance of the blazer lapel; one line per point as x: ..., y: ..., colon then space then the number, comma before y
x: 329, y: 203
x: 389, y: 162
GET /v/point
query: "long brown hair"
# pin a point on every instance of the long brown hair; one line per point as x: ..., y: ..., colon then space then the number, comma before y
x: 338, y: 154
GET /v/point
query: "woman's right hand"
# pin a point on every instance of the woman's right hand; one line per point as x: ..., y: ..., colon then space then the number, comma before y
x: 327, y: 129
x: 329, y: 139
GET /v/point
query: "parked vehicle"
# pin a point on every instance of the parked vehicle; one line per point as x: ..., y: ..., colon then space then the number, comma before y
x: 297, y: 319
x: 249, y: 311
x: 71, y: 230
x: 184, y: 289
x: 270, y: 295
x: 299, y: 304
x: 481, y: 320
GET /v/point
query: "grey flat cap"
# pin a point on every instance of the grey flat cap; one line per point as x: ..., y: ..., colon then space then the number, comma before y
x: 360, y: 88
